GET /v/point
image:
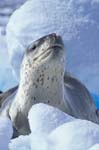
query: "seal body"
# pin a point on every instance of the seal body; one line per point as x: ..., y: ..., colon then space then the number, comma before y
x: 78, y: 99
x: 43, y: 80
x: 5, y: 95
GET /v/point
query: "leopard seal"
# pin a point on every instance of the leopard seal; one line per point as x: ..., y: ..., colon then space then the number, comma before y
x: 43, y: 80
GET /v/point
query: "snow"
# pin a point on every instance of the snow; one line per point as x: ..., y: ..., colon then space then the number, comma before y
x: 95, y: 147
x: 43, y: 118
x: 20, y: 143
x: 6, y: 77
x: 7, y: 80
x: 76, y: 135
x: 76, y: 21
x: 55, y: 130
x: 6, y: 132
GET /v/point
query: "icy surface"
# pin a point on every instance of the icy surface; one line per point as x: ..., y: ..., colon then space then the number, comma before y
x: 43, y: 118
x: 76, y: 135
x: 76, y: 21
x: 20, y: 143
x: 95, y: 147
x: 54, y: 130
x: 6, y: 132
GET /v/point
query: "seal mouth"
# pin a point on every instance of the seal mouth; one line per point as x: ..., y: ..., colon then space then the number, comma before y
x: 48, y: 51
x: 56, y: 46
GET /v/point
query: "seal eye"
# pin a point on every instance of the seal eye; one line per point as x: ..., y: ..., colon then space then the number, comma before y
x: 33, y: 47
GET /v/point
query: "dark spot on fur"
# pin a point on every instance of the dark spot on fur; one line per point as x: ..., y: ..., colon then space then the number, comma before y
x: 52, y: 79
x: 34, y: 98
x: 38, y: 80
x: 48, y: 101
x: 35, y: 59
x: 35, y: 85
x: 42, y: 81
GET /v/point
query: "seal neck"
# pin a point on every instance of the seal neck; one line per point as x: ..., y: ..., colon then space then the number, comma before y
x: 44, y: 89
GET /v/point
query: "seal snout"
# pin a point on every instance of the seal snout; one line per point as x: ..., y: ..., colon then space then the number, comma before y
x: 54, y: 36
x: 47, y: 42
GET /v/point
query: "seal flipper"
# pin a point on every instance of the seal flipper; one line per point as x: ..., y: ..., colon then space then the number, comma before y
x: 15, y: 133
x: 5, y: 95
x: 80, y: 102
x: 20, y: 124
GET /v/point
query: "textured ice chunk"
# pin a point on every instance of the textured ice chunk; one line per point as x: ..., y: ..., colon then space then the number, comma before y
x: 75, y: 135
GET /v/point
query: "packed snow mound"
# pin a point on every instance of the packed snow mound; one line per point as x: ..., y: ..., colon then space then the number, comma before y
x: 37, y: 18
x: 52, y: 129
x: 95, y: 147
x: 20, y: 143
x: 75, y: 21
x: 75, y: 135
x: 44, y: 118
x: 6, y: 132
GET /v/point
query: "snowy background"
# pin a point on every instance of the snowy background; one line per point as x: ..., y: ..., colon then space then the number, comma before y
x: 81, y: 41
x: 7, y: 79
